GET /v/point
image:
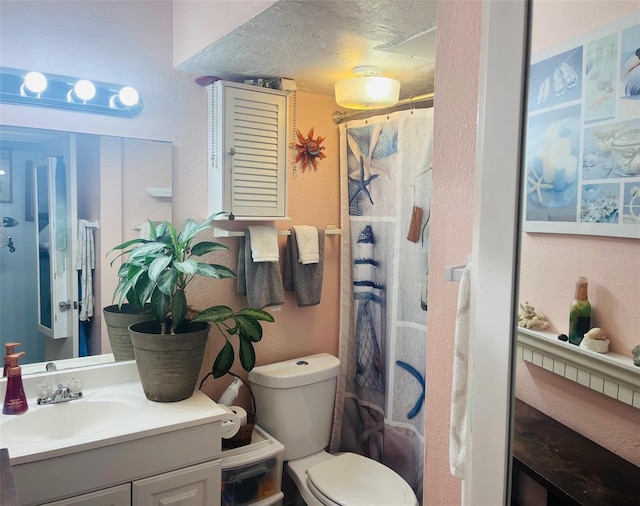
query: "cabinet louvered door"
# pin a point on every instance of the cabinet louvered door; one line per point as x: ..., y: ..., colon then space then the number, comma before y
x: 250, y: 125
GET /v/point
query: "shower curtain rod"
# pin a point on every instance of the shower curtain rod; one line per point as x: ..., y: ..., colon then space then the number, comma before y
x: 338, y: 117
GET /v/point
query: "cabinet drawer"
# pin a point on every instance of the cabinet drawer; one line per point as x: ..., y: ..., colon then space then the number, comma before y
x: 114, y: 496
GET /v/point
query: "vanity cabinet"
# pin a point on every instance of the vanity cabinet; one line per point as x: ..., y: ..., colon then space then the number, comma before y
x: 247, y: 151
x: 193, y: 486
x: 177, y: 467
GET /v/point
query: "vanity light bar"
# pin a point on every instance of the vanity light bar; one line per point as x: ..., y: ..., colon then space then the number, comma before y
x: 24, y: 87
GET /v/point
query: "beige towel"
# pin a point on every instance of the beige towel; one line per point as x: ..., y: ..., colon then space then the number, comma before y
x: 307, y: 242
x: 463, y: 336
x: 264, y: 244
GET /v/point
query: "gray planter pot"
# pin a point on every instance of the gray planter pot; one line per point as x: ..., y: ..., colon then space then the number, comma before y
x: 168, y: 365
x: 118, y: 321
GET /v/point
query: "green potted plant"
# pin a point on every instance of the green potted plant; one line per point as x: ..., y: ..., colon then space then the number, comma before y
x: 118, y: 318
x: 169, y: 349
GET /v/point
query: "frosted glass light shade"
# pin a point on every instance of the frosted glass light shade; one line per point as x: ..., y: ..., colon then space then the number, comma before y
x: 370, y: 92
x: 35, y: 82
x: 129, y: 96
x: 84, y: 89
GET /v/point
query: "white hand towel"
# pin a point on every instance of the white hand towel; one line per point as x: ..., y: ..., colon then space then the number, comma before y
x: 458, y: 428
x: 86, y: 262
x: 264, y: 244
x: 308, y: 244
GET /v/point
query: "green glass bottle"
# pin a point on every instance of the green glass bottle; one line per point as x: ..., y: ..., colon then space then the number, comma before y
x: 580, y: 314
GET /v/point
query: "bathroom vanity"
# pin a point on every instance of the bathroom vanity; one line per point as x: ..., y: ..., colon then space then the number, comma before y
x: 115, y: 447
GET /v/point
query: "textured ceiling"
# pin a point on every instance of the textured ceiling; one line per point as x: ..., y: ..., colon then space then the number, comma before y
x: 318, y: 42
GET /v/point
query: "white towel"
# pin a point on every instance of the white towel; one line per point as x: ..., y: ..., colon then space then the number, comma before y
x: 458, y: 428
x: 86, y: 262
x: 308, y: 244
x: 145, y: 230
x: 264, y: 244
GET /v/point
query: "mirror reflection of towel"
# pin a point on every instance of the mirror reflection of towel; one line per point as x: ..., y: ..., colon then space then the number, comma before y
x: 305, y: 280
x: 86, y: 262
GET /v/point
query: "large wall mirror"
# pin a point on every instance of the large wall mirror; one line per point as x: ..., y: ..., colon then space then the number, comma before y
x: 72, y: 196
x: 578, y: 179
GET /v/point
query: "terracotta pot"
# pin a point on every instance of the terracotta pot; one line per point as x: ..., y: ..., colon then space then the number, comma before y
x: 169, y: 365
x: 118, y: 321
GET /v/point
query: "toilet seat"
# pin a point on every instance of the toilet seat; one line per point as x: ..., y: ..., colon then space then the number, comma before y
x: 352, y: 480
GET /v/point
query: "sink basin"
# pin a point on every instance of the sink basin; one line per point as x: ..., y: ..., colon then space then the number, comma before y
x: 66, y: 419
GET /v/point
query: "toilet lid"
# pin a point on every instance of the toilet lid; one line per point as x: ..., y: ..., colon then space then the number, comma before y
x: 352, y: 480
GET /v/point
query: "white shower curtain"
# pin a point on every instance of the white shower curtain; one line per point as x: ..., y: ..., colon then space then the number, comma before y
x: 385, y: 168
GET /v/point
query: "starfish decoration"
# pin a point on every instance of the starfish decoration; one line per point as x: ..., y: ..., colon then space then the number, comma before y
x: 309, y: 149
x: 537, y: 185
x: 361, y: 183
x: 358, y: 181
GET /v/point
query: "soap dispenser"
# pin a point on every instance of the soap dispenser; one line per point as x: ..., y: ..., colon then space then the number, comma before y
x: 10, y: 348
x: 15, y: 401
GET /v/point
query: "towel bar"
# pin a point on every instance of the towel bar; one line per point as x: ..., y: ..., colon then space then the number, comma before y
x: 453, y: 272
x: 221, y: 232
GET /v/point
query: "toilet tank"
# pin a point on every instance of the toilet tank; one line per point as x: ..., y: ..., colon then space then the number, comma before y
x: 294, y: 402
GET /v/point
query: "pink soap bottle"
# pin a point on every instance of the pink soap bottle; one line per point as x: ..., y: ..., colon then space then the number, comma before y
x: 10, y: 348
x: 15, y: 401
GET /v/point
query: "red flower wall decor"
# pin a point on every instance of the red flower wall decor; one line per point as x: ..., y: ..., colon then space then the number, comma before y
x: 309, y: 149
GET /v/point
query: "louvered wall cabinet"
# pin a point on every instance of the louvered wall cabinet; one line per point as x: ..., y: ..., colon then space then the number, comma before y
x: 247, y: 151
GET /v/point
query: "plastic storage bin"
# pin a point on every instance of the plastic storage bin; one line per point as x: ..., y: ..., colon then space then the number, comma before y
x: 252, y: 474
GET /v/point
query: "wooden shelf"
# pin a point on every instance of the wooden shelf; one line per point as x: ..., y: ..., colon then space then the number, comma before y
x: 611, y: 374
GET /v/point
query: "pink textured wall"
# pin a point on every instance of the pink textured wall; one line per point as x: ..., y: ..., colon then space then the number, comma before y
x: 551, y: 263
x: 456, y: 88
x: 313, y: 200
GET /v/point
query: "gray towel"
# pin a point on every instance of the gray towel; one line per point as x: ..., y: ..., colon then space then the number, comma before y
x: 261, y: 282
x: 241, y: 272
x: 305, y: 280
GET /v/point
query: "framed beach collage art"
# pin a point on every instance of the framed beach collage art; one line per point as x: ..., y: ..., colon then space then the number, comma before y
x: 582, y: 147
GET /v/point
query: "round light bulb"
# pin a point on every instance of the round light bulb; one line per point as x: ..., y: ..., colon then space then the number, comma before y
x: 128, y: 96
x: 35, y: 82
x: 84, y: 90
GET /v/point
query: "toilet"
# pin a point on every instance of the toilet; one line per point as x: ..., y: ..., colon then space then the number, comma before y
x: 294, y: 403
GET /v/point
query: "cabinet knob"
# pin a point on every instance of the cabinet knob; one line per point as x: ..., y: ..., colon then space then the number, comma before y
x: 231, y: 151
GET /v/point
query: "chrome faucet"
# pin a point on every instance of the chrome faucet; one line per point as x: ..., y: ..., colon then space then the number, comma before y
x: 46, y: 394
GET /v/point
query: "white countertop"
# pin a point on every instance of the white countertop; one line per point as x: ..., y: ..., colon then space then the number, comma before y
x: 134, y: 417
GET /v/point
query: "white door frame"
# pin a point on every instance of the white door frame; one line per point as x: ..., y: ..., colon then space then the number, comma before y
x: 494, y: 256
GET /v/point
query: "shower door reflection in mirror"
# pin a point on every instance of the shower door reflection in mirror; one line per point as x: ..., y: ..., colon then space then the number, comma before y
x: 61, y: 181
x: 53, y: 219
x: 580, y: 106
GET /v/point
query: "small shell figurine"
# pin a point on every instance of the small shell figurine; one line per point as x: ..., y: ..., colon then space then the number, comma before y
x: 595, y: 340
x: 529, y: 319
x: 635, y: 353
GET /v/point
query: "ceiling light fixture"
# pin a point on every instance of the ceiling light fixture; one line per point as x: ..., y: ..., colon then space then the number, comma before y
x: 368, y: 90
x: 23, y: 87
